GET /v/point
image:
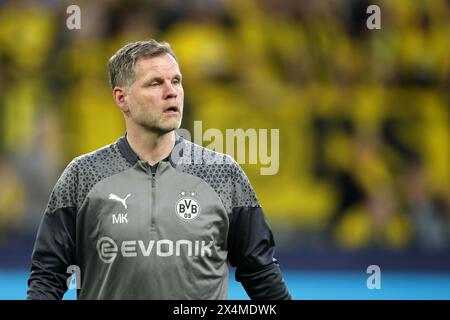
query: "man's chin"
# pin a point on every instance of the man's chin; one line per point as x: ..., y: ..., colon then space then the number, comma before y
x: 170, y: 128
x: 164, y: 129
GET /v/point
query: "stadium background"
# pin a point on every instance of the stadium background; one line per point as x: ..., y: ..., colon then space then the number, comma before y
x: 364, y: 175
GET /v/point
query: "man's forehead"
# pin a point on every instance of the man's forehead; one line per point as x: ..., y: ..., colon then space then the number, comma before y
x: 157, y: 65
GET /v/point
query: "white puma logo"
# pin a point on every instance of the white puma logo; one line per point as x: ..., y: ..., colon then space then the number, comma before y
x: 123, y: 201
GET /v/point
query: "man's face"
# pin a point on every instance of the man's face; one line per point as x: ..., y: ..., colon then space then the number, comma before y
x: 155, y: 99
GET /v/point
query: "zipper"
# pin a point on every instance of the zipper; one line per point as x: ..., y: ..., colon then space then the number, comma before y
x: 152, y: 207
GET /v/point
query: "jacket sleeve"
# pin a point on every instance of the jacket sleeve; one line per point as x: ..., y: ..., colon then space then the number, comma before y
x: 54, y: 248
x: 251, y: 246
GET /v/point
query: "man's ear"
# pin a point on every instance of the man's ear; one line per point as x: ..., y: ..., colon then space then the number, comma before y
x: 120, y: 97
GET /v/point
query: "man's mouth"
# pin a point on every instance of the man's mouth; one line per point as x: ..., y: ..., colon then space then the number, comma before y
x: 171, y: 109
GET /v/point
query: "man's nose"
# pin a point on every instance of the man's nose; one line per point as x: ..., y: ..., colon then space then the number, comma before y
x: 169, y: 91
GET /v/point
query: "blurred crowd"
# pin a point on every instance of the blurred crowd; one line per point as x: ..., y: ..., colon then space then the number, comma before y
x: 364, y: 115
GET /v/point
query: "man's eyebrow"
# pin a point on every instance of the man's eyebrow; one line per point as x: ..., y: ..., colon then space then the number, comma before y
x: 153, y: 78
x: 160, y: 78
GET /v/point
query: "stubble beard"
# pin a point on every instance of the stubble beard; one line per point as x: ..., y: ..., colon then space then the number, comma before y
x: 160, y: 126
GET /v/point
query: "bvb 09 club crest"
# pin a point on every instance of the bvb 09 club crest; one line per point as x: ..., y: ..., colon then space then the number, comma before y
x: 187, y: 208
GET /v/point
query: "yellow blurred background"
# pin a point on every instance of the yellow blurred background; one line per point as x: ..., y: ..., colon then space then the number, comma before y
x: 364, y: 115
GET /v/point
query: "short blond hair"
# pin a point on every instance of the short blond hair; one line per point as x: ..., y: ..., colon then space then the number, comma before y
x: 121, y: 64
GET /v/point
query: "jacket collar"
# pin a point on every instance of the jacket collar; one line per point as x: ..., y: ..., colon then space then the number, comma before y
x: 131, y: 156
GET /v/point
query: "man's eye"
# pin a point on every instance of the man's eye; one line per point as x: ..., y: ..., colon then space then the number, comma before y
x: 154, y: 84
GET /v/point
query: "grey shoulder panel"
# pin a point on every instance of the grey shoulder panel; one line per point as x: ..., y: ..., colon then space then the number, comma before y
x: 221, y: 172
x: 83, y: 173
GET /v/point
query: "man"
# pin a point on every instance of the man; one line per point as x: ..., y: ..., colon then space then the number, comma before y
x: 153, y: 216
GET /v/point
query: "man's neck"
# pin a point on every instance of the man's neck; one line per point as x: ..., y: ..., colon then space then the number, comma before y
x: 150, y: 146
